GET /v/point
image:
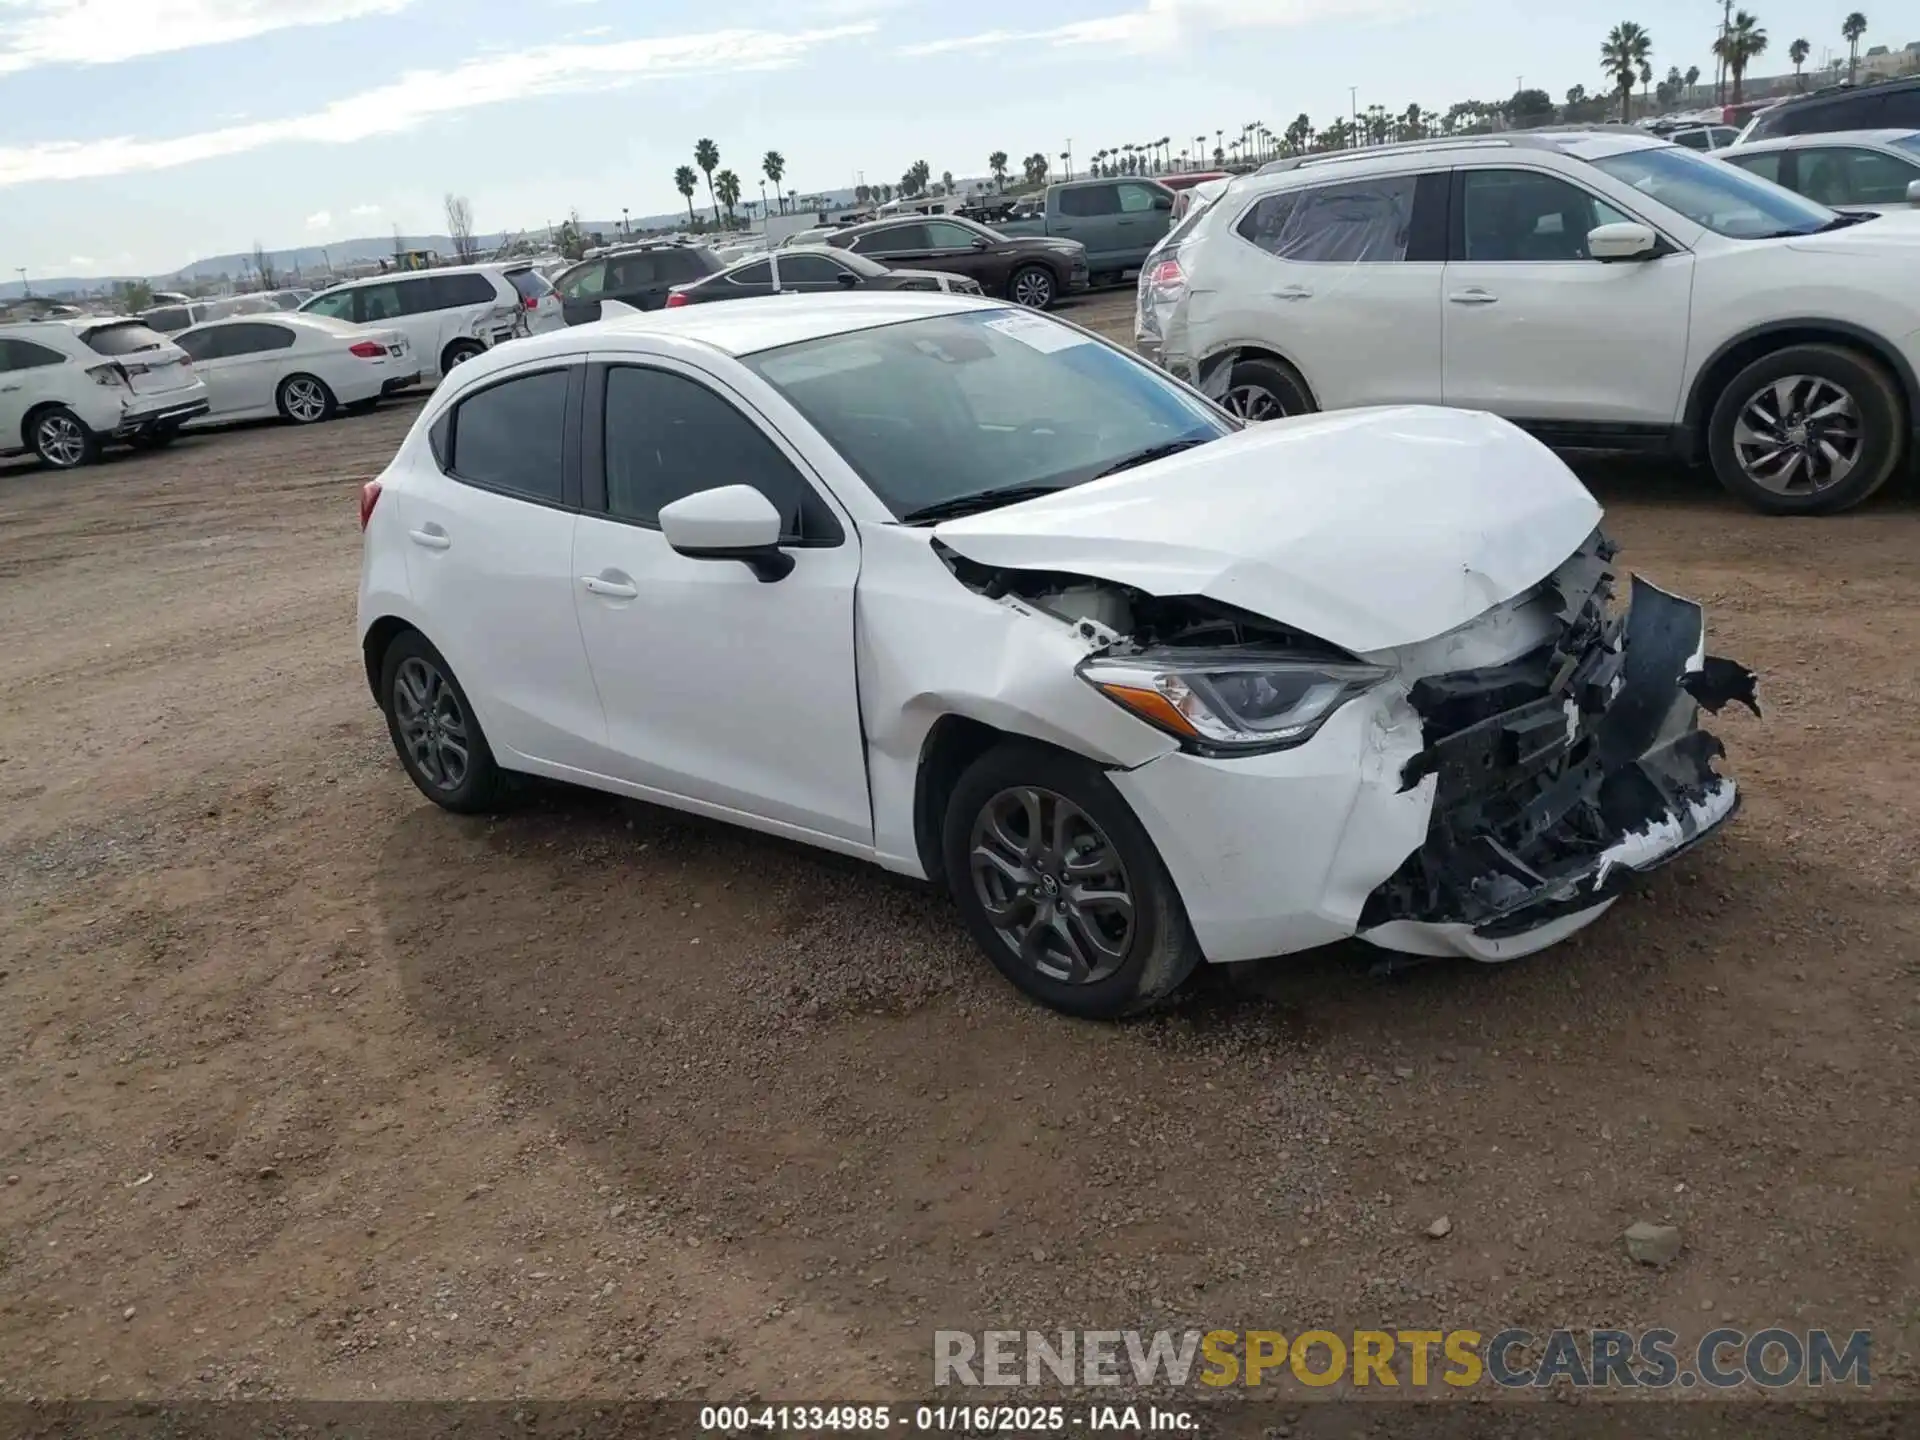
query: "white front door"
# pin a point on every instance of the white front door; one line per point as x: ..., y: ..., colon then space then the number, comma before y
x: 1335, y: 278
x: 719, y: 686
x: 1538, y: 331
x: 489, y: 545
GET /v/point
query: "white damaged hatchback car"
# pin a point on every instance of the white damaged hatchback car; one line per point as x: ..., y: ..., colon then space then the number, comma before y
x: 968, y: 592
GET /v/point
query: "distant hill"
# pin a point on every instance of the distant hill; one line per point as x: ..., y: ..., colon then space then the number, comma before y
x: 315, y: 260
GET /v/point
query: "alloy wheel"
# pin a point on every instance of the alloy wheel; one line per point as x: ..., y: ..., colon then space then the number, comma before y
x: 1052, y: 884
x: 61, y: 442
x: 1033, y: 289
x: 1254, y: 403
x: 432, y: 722
x: 306, y: 401
x: 1798, y: 435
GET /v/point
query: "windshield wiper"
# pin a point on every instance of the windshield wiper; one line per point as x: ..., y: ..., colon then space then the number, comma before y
x: 1150, y: 454
x: 1839, y: 222
x: 979, y: 500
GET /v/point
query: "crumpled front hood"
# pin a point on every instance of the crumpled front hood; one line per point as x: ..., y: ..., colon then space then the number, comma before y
x: 1366, y: 528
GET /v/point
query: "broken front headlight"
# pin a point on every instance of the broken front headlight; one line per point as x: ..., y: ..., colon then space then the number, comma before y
x: 1230, y: 702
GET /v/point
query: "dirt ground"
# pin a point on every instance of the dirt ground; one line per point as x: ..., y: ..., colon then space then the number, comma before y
x: 313, y: 1090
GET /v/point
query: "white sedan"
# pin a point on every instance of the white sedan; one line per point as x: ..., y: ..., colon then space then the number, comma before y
x: 300, y: 367
x: 968, y: 592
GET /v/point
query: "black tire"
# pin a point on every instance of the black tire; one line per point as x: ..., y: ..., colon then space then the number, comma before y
x: 1034, y: 287
x: 424, y: 754
x: 1272, y: 387
x: 61, y: 438
x: 458, y: 353
x: 154, y: 439
x: 1147, y: 961
x: 1876, y: 442
x: 305, y: 400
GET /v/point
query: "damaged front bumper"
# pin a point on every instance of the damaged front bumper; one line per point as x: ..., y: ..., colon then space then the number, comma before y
x: 1563, y: 776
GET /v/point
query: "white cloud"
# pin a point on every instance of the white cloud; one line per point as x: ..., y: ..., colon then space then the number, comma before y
x: 102, y: 32
x: 85, y: 262
x: 363, y: 211
x: 320, y: 220
x: 1158, y: 24
x: 420, y: 95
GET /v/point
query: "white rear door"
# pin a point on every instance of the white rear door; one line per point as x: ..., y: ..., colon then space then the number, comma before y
x: 720, y: 686
x: 1538, y: 331
x: 29, y: 374
x: 489, y: 545
x: 1342, y: 280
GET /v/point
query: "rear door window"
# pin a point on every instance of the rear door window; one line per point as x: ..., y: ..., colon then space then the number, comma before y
x: 1766, y: 164
x: 509, y: 436
x: 810, y: 270
x: 202, y: 344
x: 529, y: 284
x: 677, y: 266
x: 453, y: 292
x: 25, y: 355
x: 894, y: 240
x: 757, y: 274
x: 1848, y: 175
x: 1084, y: 200
x: 382, y: 302
x: 627, y: 273
x: 252, y: 339
x: 1357, y: 223
x: 336, y: 305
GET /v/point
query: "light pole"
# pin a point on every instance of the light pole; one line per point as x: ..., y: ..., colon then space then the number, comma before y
x: 625, y: 223
x: 26, y: 290
x: 1353, y: 101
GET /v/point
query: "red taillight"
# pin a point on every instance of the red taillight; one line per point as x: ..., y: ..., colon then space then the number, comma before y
x: 367, y: 349
x: 1167, y: 275
x: 533, y: 302
x: 369, y: 497
x: 675, y: 300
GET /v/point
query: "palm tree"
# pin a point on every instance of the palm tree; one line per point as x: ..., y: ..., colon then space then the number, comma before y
x: 1627, y: 48
x: 1166, y: 153
x: 1797, y: 53
x: 1576, y: 98
x: 1853, y: 27
x: 684, y: 181
x: 1299, y: 133
x: 773, y: 165
x: 706, y: 155
x: 997, y: 163
x: 1692, y: 77
x: 1413, y: 124
x: 726, y: 186
x: 1738, y: 44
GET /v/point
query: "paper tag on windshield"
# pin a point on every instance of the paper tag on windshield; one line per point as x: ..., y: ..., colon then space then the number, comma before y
x: 1041, y: 334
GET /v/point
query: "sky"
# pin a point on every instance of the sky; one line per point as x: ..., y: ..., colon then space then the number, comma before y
x: 139, y: 135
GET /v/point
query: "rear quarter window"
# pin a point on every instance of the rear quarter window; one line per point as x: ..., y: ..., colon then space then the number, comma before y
x: 678, y: 265
x: 451, y: 291
x: 529, y: 284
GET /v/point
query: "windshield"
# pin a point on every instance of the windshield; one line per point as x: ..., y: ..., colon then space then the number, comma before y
x: 1726, y: 199
x: 930, y: 411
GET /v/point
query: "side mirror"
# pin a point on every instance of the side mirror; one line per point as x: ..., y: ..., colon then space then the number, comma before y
x: 1626, y: 240
x: 847, y: 279
x: 733, y: 522
x: 980, y: 242
x: 1163, y: 202
x: 1913, y: 192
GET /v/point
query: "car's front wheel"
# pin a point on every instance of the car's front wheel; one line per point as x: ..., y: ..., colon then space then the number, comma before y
x: 434, y: 729
x: 1808, y: 430
x: 62, y: 440
x: 1061, y: 886
x: 1032, y: 286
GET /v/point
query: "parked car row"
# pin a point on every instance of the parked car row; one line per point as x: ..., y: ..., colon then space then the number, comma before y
x: 1603, y: 289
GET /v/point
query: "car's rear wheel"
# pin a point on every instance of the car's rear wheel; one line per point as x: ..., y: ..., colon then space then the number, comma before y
x: 1061, y: 886
x: 1808, y: 430
x: 1261, y: 389
x: 1031, y: 286
x: 434, y: 729
x: 458, y: 353
x: 305, y: 399
x: 61, y: 439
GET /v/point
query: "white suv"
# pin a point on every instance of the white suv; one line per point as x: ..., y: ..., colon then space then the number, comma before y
x: 1602, y: 289
x: 448, y: 315
x: 67, y: 387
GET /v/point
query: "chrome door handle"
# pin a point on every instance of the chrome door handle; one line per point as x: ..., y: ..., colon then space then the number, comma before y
x: 431, y: 539
x: 612, y: 589
x: 1475, y: 296
x: 1293, y: 292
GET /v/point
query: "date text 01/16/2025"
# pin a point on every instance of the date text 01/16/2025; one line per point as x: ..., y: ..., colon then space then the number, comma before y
x: 944, y: 1419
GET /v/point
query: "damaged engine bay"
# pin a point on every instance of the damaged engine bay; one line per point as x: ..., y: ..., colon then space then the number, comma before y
x: 1557, y: 775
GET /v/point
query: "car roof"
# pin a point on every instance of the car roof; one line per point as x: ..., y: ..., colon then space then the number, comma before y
x: 477, y: 268
x: 1823, y: 137
x: 1588, y: 142
x: 281, y: 317
x: 1842, y: 91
